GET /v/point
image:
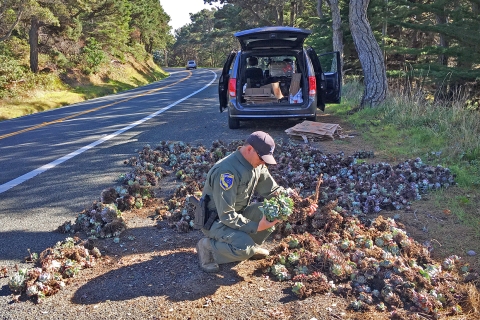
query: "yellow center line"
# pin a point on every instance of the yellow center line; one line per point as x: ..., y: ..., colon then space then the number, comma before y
x: 44, y: 124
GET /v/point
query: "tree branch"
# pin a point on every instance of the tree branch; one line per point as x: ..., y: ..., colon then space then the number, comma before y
x: 9, y: 32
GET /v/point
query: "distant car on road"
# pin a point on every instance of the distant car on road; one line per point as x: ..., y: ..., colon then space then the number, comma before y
x: 191, y: 64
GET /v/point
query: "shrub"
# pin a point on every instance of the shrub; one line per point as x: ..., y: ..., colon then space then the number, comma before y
x: 61, y: 60
x: 10, y: 71
x: 93, y: 55
x: 138, y: 52
x: 15, y: 48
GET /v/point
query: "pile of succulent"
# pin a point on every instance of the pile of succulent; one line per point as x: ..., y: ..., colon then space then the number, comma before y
x: 279, y: 207
x: 375, y: 262
x: 190, y: 165
x: 54, y: 267
x: 99, y: 221
x: 359, y: 187
x: 103, y: 219
x: 372, y: 260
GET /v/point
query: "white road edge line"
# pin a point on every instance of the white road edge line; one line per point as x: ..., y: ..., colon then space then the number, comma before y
x: 15, y: 182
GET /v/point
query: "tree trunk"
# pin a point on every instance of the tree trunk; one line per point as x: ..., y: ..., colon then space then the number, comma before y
x: 369, y: 53
x: 337, y: 29
x: 443, y: 43
x: 442, y: 92
x: 279, y: 16
x: 33, y: 41
x: 293, y: 5
x: 319, y: 9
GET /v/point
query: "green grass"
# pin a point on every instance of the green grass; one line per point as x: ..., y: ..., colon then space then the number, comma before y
x: 439, y: 133
x: 44, y: 92
x: 462, y: 206
x: 91, y: 91
x: 41, y: 101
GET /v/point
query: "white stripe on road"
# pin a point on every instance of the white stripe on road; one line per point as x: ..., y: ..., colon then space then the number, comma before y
x: 15, y: 182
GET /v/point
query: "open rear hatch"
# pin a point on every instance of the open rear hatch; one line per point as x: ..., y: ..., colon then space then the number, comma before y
x: 272, y: 37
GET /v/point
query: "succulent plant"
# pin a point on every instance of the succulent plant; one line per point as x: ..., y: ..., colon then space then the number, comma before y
x: 379, y: 242
x: 456, y: 309
x: 297, y: 288
x: 337, y: 269
x: 393, y: 248
x: 293, y: 257
x: 368, y: 243
x: 280, y: 272
x: 365, y: 297
x: 16, y: 283
x: 278, y: 207
x: 293, y: 243
x: 356, y: 305
x: 301, y: 270
x: 347, y: 244
x: 449, y: 263
x: 32, y: 290
x: 44, y: 277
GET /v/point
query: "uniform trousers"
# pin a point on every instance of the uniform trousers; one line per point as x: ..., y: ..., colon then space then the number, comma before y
x: 231, y: 245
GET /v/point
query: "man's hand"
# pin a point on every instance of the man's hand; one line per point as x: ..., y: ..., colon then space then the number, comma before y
x: 265, y: 224
x: 291, y: 192
x: 313, y: 208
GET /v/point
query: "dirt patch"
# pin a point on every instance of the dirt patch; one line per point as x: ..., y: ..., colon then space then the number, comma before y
x: 74, y: 78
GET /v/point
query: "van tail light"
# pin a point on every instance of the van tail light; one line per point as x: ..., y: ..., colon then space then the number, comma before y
x: 312, y: 86
x: 232, y: 87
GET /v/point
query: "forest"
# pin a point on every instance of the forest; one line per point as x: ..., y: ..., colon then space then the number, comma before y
x: 428, y: 45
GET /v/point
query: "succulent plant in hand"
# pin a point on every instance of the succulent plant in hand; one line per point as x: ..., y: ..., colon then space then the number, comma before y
x: 280, y: 207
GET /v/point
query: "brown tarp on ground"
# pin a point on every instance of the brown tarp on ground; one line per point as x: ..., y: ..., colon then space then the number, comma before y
x: 316, y: 131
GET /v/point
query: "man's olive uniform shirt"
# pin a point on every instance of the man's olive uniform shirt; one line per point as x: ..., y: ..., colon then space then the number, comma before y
x: 232, y: 197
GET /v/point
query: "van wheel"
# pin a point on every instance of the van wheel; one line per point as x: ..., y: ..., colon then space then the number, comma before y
x: 233, y: 123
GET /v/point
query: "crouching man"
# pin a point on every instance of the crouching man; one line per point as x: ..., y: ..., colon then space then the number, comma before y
x: 239, y: 227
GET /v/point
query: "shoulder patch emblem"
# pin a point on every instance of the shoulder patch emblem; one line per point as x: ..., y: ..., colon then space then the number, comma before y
x: 226, y: 181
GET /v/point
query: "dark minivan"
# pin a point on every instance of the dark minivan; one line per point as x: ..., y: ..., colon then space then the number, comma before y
x: 275, y: 76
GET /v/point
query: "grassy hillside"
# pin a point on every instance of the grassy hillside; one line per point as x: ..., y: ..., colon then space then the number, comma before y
x: 50, y: 89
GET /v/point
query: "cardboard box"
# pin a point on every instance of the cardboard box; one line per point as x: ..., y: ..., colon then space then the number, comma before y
x: 295, y: 84
x: 259, y: 100
x: 258, y: 92
x: 281, y: 69
x: 275, y: 88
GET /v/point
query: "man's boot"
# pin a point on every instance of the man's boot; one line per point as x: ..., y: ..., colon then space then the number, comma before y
x: 259, y: 253
x: 205, y: 255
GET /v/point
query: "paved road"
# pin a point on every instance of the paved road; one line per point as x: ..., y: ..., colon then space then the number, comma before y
x: 54, y: 164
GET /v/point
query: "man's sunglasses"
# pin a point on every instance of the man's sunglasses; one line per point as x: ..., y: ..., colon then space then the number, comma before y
x: 258, y: 154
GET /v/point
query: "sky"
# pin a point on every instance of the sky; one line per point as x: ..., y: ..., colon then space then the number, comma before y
x: 179, y: 10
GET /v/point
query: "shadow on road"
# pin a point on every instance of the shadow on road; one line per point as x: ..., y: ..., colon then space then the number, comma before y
x: 15, y: 244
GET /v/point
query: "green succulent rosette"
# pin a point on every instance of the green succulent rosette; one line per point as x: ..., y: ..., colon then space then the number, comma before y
x: 278, y: 207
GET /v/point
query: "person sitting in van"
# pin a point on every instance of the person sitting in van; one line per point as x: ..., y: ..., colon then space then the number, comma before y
x: 253, y: 73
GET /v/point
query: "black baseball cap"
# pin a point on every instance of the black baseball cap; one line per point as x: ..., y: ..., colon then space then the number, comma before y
x: 263, y: 143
